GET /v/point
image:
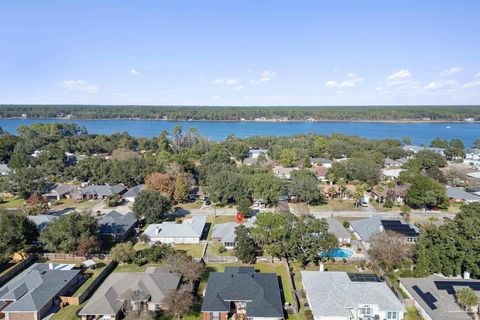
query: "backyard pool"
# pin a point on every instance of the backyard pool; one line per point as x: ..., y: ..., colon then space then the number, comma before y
x: 337, y: 253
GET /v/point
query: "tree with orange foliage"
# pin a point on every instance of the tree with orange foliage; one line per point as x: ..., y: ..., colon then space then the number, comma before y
x: 163, y: 183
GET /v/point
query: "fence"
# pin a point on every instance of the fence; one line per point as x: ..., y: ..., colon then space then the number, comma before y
x: 78, y: 300
x: 19, y: 267
x: 73, y: 257
x: 295, y: 308
x: 221, y: 259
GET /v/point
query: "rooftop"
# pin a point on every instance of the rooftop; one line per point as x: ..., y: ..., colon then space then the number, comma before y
x: 333, y: 294
x: 192, y: 228
x: 226, y: 231
x: 133, y: 192
x: 155, y: 284
x: 336, y: 227
x: 261, y: 292
x: 35, y: 287
x: 366, y: 228
x: 460, y: 193
x: 436, y: 295
x: 115, y: 223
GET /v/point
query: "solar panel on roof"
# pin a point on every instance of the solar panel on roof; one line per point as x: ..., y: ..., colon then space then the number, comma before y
x: 449, y: 285
x: 427, y: 297
x: 364, y: 277
x: 399, y: 227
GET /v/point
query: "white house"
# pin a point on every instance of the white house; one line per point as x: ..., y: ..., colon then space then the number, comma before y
x: 347, y: 296
x: 190, y: 231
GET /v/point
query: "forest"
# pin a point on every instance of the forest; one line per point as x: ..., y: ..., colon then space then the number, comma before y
x: 208, y: 113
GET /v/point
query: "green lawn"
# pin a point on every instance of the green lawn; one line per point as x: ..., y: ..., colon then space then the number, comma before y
x: 140, y: 246
x: 194, y: 250
x: 336, y: 205
x: 212, y: 250
x: 131, y: 267
x: 94, y: 274
x: 277, y: 268
x: 67, y: 313
x: 15, y: 203
x: 412, y: 314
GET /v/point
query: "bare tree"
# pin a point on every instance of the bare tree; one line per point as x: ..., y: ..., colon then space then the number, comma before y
x: 390, y: 249
x: 178, y: 303
x: 182, y: 263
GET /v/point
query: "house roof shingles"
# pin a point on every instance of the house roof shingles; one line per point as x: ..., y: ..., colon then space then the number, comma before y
x: 115, y: 223
x: 190, y: 228
x: 133, y: 192
x: 105, y: 300
x: 35, y: 287
x: 331, y: 294
x: 260, y: 290
x: 226, y: 231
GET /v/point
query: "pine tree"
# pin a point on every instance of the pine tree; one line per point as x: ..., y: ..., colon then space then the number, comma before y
x: 181, y: 190
x: 422, y: 268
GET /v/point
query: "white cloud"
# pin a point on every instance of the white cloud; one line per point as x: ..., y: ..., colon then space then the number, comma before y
x: 227, y: 81
x: 352, y: 80
x: 239, y: 87
x: 451, y: 71
x: 268, y: 75
x: 133, y: 72
x: 254, y: 82
x: 436, y: 85
x: 473, y: 84
x: 477, y: 75
x: 215, y: 97
x: 399, y: 75
x: 79, y: 86
x: 231, y: 82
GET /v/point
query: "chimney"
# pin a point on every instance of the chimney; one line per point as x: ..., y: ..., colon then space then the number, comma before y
x: 466, y: 275
x: 50, y: 266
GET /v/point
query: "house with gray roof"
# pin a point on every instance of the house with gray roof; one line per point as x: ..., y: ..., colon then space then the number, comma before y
x: 188, y: 231
x: 343, y: 296
x: 224, y: 233
x: 456, y: 195
x: 122, y: 289
x: 132, y: 193
x: 32, y: 294
x: 116, y: 226
x: 336, y: 227
x: 60, y: 191
x: 434, y: 296
x: 42, y: 220
x: 242, y: 291
x: 100, y: 191
x: 364, y: 229
x: 327, y: 163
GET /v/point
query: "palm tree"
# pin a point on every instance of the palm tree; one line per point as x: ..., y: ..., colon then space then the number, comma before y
x: 341, y: 187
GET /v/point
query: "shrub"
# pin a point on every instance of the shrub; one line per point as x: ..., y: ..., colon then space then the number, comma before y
x: 346, y: 224
x: 222, y: 249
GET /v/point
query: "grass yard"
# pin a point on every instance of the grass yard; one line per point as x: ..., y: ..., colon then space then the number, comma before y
x: 412, y: 314
x: 15, y: 203
x: 212, y: 250
x: 194, y: 250
x: 336, y: 205
x: 67, y: 313
x: 94, y: 274
x: 191, y: 205
x: 131, y: 267
x: 278, y: 268
x: 140, y: 246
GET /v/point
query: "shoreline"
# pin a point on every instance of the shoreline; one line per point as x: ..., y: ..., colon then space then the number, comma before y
x: 406, y: 121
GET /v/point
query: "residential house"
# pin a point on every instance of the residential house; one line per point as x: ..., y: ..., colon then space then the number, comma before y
x: 100, y: 191
x: 472, y: 158
x: 392, y: 164
x: 42, y: 220
x: 34, y: 292
x: 327, y: 163
x: 474, y: 175
x: 255, y: 153
x: 190, y: 231
x: 116, y: 226
x: 132, y: 193
x: 240, y: 291
x: 391, y: 174
x: 434, y: 296
x: 456, y: 195
x: 364, y: 229
x: 416, y: 149
x: 224, y: 233
x: 321, y: 173
x: 336, y: 227
x: 346, y: 296
x: 4, y: 169
x: 130, y: 290
x: 283, y: 173
x: 398, y: 194
x: 60, y: 191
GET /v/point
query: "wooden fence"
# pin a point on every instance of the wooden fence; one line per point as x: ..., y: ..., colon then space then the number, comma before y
x: 73, y: 257
x: 78, y: 300
x: 15, y: 270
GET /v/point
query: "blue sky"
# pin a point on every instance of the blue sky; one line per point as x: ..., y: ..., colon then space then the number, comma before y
x: 258, y: 52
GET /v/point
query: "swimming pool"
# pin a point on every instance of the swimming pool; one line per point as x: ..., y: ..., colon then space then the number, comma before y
x: 337, y: 253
